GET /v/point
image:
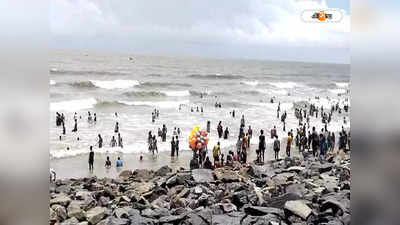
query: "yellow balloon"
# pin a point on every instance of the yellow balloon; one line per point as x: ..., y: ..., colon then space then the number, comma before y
x: 196, y: 128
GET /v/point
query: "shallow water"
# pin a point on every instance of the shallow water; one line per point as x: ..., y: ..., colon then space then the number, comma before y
x: 109, y: 83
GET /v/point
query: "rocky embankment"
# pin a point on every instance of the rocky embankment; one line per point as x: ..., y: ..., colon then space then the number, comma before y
x: 291, y: 191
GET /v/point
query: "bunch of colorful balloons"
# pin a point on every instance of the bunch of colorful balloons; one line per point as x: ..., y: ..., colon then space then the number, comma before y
x: 198, y: 139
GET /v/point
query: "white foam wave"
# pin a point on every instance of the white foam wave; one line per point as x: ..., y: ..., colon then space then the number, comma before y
x: 342, y: 84
x: 284, y: 85
x: 115, y: 84
x: 73, y: 105
x: 338, y: 91
x: 163, y: 104
x: 250, y: 83
x: 177, y: 93
x: 52, y: 82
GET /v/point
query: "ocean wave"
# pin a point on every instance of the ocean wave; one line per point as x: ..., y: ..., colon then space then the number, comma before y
x: 86, y: 72
x: 163, y: 84
x: 250, y: 83
x: 177, y: 93
x: 160, y: 104
x: 284, y: 85
x: 73, y: 105
x: 215, y: 76
x: 338, y: 91
x: 52, y: 82
x: 342, y: 84
x: 82, y: 84
x: 115, y: 84
x: 144, y: 94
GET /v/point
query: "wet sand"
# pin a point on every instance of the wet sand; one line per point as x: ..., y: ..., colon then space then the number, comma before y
x: 77, y: 167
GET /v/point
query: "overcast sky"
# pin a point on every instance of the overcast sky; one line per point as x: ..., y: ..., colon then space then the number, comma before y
x: 250, y: 29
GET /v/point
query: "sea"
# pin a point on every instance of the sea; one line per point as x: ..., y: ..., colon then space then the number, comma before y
x: 133, y: 86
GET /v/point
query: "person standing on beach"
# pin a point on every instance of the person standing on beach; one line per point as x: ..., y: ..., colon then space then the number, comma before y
x: 164, y: 133
x: 95, y: 118
x: 113, y: 142
x: 154, y: 144
x: 250, y: 135
x: 174, y: 133
x: 226, y: 133
x: 208, y: 126
x: 261, y: 144
x: 91, y: 158
x: 216, y: 152
x: 120, y: 141
x: 289, y: 144
x: 273, y: 132
x: 173, y: 147
x: 119, y: 163
x: 177, y: 146
x: 179, y: 131
x: 63, y: 127
x: 116, y: 129
x: 233, y: 113
x: 220, y: 129
x: 242, y: 122
x: 277, y: 147
x: 315, y: 141
x: 75, y: 126
x: 100, y: 141
x: 153, y: 117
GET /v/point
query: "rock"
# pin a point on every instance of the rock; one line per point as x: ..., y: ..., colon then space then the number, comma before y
x: 74, y: 210
x: 163, y: 171
x: 172, y: 219
x: 326, y: 167
x: 183, y: 193
x: 104, y: 201
x: 333, y: 204
x: 53, y: 215
x: 260, y: 220
x: 139, y: 220
x: 203, y: 176
x: 121, y: 213
x: 255, y: 171
x: 172, y: 181
x: 177, y: 203
x: 240, y: 198
x: 143, y: 175
x: 227, y: 207
x: 82, y: 195
x: 142, y: 187
x: 228, y: 219
x: 298, y: 189
x: 261, y: 211
x: 60, y: 212
x: 279, y: 202
x: 298, y: 208
x: 71, y: 221
x: 95, y: 215
x: 125, y: 175
x: 114, y: 221
x: 198, y: 190
x: 60, y: 199
x: 226, y: 175
x: 83, y: 223
x: 296, y: 169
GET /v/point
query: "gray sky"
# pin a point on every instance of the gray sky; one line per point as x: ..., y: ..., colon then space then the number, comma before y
x: 258, y: 29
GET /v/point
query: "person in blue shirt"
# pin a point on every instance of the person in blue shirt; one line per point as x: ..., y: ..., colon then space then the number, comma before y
x: 119, y: 162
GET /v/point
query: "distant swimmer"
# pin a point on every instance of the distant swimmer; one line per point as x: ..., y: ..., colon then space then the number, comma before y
x: 108, y: 163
